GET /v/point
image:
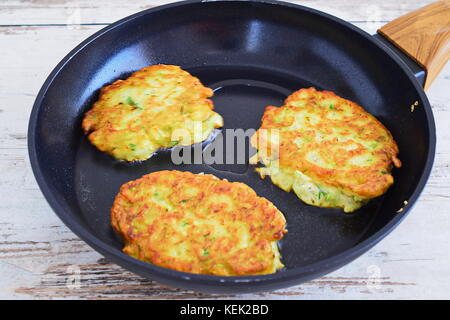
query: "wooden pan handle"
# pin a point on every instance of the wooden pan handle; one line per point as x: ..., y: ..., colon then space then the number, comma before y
x: 424, y: 35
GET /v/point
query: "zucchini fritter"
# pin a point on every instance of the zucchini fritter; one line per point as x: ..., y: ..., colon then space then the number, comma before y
x: 331, y: 152
x: 157, y: 107
x: 198, y: 223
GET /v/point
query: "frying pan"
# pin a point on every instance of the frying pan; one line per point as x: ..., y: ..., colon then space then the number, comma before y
x: 254, y: 54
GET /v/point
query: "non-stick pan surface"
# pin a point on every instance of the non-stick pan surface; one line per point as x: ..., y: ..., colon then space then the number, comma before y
x: 253, y: 54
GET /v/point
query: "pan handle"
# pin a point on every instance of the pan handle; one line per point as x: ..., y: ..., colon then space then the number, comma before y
x: 424, y: 35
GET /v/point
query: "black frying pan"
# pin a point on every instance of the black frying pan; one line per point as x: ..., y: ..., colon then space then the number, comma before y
x: 254, y: 53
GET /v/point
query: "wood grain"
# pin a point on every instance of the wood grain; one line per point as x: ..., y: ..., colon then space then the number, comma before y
x: 103, y: 280
x: 424, y: 35
x: 37, y: 251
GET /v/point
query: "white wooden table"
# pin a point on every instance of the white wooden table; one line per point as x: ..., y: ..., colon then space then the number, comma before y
x: 40, y: 257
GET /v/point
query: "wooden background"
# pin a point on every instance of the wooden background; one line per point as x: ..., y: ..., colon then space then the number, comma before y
x: 41, y: 258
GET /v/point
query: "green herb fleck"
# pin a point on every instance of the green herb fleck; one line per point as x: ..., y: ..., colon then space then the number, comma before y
x: 185, y: 223
x: 331, y: 107
x: 132, y: 103
x: 132, y: 146
x: 384, y: 172
x: 184, y: 201
x: 205, y: 252
x: 172, y: 143
x: 206, y: 235
x: 322, y: 194
x: 156, y: 194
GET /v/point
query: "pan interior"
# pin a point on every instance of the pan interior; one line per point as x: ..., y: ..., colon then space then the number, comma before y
x: 241, y: 95
x: 253, y: 55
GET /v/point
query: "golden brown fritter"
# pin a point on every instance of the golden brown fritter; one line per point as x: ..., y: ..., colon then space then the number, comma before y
x: 157, y: 107
x: 331, y: 152
x: 198, y: 223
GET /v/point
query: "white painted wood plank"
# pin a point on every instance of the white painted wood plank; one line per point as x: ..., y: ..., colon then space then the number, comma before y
x: 36, y: 249
x: 14, y: 12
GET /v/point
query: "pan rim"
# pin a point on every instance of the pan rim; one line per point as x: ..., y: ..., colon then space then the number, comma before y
x: 275, y: 280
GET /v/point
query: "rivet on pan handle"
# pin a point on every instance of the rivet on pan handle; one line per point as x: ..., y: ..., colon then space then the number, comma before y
x: 424, y: 35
